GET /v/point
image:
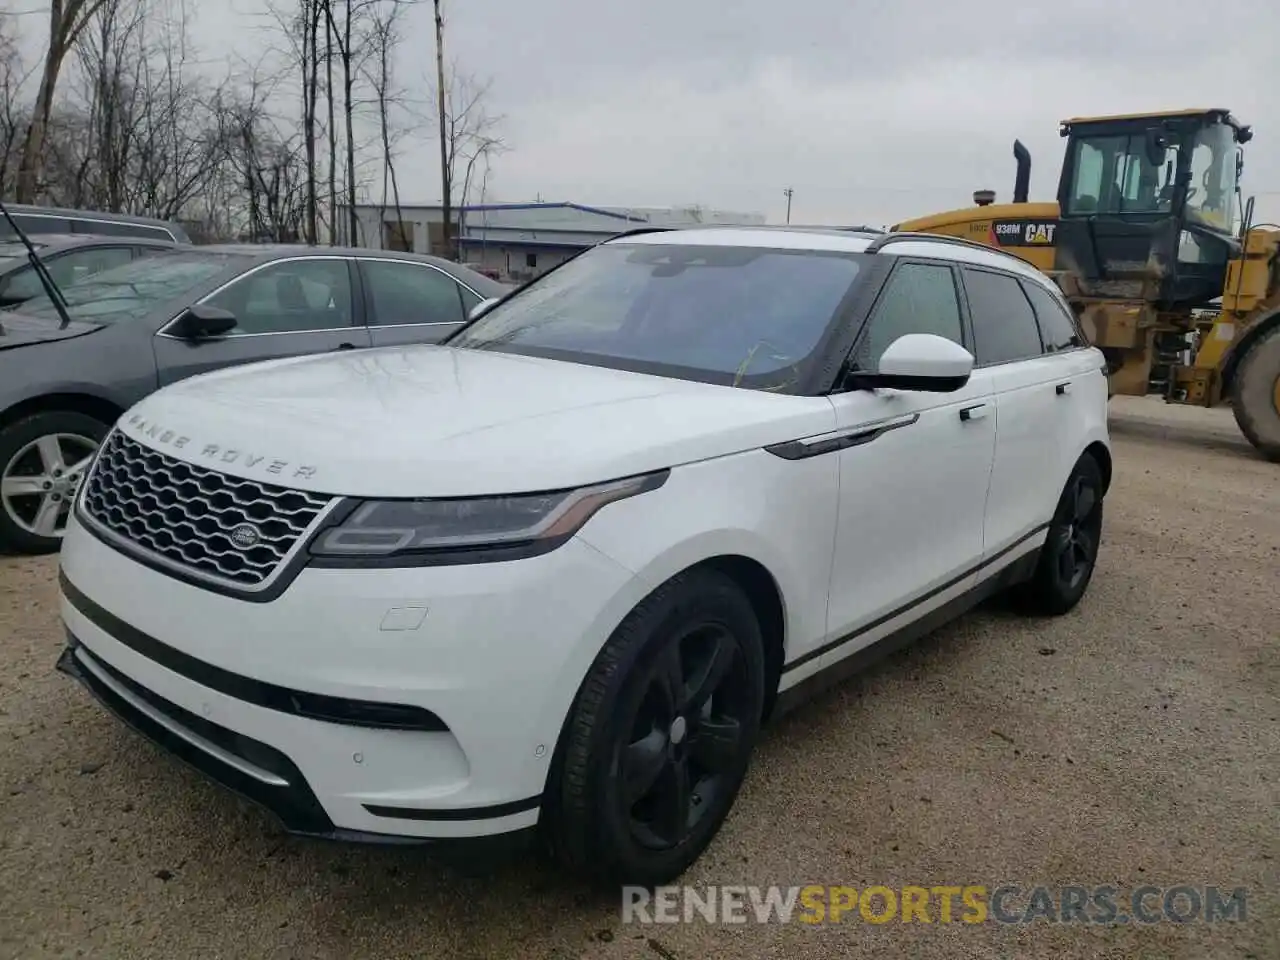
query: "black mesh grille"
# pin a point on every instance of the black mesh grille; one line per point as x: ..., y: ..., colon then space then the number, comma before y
x: 236, y: 530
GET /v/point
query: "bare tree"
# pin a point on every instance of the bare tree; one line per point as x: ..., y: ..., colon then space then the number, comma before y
x: 332, y: 126
x: 312, y: 13
x: 270, y: 166
x: 13, y: 114
x: 66, y: 19
x: 299, y: 23
x: 351, y: 38
x: 446, y: 171
x: 469, y: 138
x: 138, y: 134
x: 385, y: 37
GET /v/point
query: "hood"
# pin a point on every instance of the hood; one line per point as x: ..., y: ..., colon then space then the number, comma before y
x: 434, y: 421
x: 19, y: 329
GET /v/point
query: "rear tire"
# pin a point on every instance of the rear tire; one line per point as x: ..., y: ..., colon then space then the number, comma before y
x: 644, y: 776
x: 37, y: 485
x: 1256, y: 394
x: 1070, y: 550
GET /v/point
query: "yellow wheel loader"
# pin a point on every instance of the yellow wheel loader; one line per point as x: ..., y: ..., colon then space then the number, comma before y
x: 1151, y: 244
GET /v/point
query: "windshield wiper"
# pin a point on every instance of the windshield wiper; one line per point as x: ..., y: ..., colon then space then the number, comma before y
x: 46, y: 281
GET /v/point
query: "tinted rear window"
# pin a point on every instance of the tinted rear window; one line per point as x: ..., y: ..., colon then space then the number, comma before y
x: 1004, y: 327
x: 1057, y: 327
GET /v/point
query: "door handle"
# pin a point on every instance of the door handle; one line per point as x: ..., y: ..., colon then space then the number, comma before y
x: 1063, y: 389
x: 976, y: 412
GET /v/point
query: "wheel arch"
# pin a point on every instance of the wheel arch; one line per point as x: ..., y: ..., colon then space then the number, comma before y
x: 88, y: 404
x: 1099, y: 451
x: 1240, y: 349
x: 765, y: 596
x: 762, y: 591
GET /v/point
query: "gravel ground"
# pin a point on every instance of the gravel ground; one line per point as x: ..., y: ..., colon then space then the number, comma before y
x: 1134, y: 741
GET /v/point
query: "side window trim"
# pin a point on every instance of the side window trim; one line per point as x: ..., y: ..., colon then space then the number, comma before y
x: 966, y: 333
x: 418, y: 263
x: 978, y: 362
x: 204, y: 298
x: 370, y: 308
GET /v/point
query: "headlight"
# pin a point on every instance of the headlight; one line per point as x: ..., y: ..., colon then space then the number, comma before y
x: 461, y: 529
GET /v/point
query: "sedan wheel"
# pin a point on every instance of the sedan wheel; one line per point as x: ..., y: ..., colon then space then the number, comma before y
x: 43, y: 461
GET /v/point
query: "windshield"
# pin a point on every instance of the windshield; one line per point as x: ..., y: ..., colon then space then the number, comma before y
x: 743, y: 316
x: 1211, y: 198
x: 131, y: 290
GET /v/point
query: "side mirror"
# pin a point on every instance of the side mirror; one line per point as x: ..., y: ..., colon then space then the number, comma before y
x: 1156, y: 145
x: 201, y: 320
x: 481, y: 308
x: 918, y: 361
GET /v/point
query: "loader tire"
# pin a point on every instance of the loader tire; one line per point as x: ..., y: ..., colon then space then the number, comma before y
x: 1255, y: 396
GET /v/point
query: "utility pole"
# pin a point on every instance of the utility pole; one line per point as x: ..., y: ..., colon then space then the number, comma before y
x: 446, y: 185
x: 788, y: 193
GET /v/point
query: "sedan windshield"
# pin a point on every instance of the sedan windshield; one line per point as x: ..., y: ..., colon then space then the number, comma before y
x: 743, y: 316
x: 132, y: 290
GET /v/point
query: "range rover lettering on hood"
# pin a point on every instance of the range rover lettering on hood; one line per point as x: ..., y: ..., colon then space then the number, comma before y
x: 214, y: 453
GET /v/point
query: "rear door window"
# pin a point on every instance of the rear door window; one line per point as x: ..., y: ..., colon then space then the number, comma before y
x: 1057, y: 327
x: 1004, y: 325
x: 411, y: 293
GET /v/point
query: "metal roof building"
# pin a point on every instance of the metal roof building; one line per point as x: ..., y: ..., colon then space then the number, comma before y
x: 517, y: 241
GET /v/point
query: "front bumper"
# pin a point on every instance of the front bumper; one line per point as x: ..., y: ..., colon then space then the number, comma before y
x: 375, y: 704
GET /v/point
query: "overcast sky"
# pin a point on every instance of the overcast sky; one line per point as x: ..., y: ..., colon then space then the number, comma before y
x: 871, y: 111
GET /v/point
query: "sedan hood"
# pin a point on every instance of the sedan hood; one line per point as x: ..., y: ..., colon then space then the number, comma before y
x: 433, y: 421
x: 18, y: 329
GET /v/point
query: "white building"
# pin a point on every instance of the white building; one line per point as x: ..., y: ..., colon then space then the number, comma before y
x: 518, y: 241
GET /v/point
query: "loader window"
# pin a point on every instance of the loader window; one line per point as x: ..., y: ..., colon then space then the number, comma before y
x: 1112, y: 175
x: 1212, y: 192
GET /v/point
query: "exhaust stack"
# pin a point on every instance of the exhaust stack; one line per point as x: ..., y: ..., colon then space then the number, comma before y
x: 1022, y: 180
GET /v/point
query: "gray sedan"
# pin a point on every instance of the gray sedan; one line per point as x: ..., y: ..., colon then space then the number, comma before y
x: 139, y: 326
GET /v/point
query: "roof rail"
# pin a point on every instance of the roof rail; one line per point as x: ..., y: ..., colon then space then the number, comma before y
x: 911, y: 235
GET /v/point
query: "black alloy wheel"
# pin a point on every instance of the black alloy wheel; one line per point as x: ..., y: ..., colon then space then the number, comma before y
x: 659, y: 738
x: 1070, y: 551
x: 1078, y: 532
x: 686, y: 737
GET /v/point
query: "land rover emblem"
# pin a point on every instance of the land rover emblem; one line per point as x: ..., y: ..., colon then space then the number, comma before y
x: 245, y: 536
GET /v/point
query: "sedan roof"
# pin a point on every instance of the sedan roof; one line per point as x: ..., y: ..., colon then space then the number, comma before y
x: 57, y: 242
x: 266, y: 252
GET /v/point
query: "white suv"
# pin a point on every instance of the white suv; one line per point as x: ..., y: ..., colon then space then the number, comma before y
x: 557, y: 571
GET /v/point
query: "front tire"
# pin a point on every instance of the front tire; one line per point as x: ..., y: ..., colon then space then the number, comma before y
x: 659, y: 739
x: 43, y: 459
x: 1070, y: 550
x: 1255, y: 398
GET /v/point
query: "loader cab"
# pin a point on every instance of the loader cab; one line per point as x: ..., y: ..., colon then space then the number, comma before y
x: 1148, y: 205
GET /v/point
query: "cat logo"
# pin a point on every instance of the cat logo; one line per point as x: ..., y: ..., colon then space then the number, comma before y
x: 1038, y: 233
x: 1024, y: 233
